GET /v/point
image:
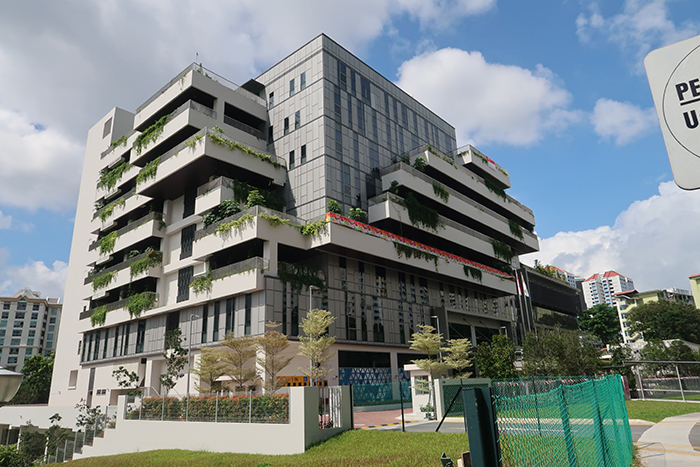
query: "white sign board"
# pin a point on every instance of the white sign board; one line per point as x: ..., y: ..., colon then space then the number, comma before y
x: 674, y: 76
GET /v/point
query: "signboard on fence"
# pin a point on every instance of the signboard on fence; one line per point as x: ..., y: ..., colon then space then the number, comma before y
x: 294, y: 381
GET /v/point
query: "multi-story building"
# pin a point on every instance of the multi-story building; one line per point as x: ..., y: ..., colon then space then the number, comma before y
x: 629, y: 300
x: 426, y: 232
x: 602, y: 287
x: 29, y: 326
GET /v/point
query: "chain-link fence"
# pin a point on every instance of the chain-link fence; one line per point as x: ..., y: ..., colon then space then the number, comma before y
x: 251, y: 407
x: 565, y: 422
x: 382, y: 404
x: 666, y: 380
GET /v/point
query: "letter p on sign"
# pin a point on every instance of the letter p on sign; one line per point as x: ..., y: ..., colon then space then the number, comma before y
x: 674, y: 77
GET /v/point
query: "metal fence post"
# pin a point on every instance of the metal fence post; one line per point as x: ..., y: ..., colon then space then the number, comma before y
x: 566, y: 424
x: 403, y: 423
x: 140, y: 405
x: 680, y: 383
x: 216, y: 412
x: 250, y: 407
x: 598, y: 426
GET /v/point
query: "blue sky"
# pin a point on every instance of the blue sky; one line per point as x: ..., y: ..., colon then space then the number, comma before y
x: 553, y: 91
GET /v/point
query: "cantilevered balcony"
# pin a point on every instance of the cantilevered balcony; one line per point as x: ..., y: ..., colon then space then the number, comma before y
x: 117, y: 311
x: 151, y: 225
x: 237, y: 278
x: 121, y: 274
x: 475, y: 160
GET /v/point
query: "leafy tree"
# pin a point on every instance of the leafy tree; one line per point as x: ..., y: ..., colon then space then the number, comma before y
x: 254, y: 199
x: 56, y: 435
x: 86, y: 415
x: 666, y: 320
x: 496, y: 359
x: 176, y: 358
x: 32, y: 444
x: 359, y: 215
x: 239, y: 352
x: 127, y: 380
x: 656, y: 350
x: 272, y: 344
x: 315, y: 342
x: 559, y: 353
x: 10, y: 456
x: 209, y: 368
x: 36, y: 385
x: 429, y: 342
x: 459, y: 357
x: 334, y: 207
x: 601, y: 321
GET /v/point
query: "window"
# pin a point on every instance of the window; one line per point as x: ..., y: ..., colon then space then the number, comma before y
x: 3, y: 323
x: 107, y: 129
x: 217, y: 311
x: 22, y: 305
x: 19, y: 324
x: 96, y: 352
x: 54, y: 311
x: 5, y: 314
x: 342, y: 75
x: 2, y: 333
x: 52, y: 328
x: 270, y: 139
x: 186, y: 241
x: 19, y: 315
x: 14, y: 341
x: 32, y: 333
x: 184, y: 278
x: 291, y: 159
x: 30, y: 341
x: 248, y: 313
x: 286, y: 125
x: 297, y: 119
x: 230, y: 305
x: 12, y: 360
x: 302, y: 81
x: 271, y: 100
x: 205, y: 320
x: 35, y: 307
x: 116, y: 341
x: 365, y: 90
x: 303, y: 155
x: 291, y: 87
x: 28, y: 352
x: 51, y: 320
x: 190, y: 197
x: 5, y: 305
x: 36, y: 316
x: 32, y: 323
x: 16, y: 333
x: 361, y: 116
x: 14, y: 351
x: 140, y: 336
x: 353, y: 88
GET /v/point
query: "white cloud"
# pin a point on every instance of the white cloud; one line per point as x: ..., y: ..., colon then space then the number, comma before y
x: 487, y: 102
x: 642, y: 25
x: 654, y: 242
x: 50, y: 281
x: 622, y: 121
x: 5, y: 221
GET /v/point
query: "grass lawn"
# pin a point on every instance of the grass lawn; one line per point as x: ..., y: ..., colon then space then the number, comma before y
x: 655, y: 411
x: 352, y: 448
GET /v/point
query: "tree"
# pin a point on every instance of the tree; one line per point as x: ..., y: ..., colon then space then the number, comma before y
x: 32, y: 444
x: 677, y: 351
x: 176, y: 358
x: 239, y: 352
x: 559, y: 353
x: 272, y: 345
x: 10, y: 456
x: 429, y: 342
x: 334, y: 207
x: 56, y: 435
x: 209, y: 368
x: 601, y: 321
x: 459, y: 357
x: 36, y: 385
x: 496, y: 359
x: 315, y: 343
x: 126, y: 380
x: 666, y: 320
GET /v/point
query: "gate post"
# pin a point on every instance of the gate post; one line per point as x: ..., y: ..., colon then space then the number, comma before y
x: 481, y: 427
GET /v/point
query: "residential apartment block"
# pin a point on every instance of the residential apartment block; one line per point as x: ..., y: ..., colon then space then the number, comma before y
x: 215, y: 208
x: 29, y: 325
x: 627, y: 301
x: 602, y: 287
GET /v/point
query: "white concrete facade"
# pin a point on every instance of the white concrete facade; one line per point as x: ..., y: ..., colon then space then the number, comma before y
x: 602, y: 287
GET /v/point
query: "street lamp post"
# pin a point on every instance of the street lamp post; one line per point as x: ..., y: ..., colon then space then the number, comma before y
x: 438, y: 331
x: 189, y: 366
x: 311, y: 364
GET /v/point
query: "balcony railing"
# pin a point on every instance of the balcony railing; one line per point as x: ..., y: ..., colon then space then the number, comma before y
x: 116, y: 267
x: 255, y: 210
x: 133, y: 225
x: 256, y: 263
x: 112, y: 148
x: 209, y: 74
x: 418, y: 174
x: 243, y: 127
x: 114, y: 305
x: 126, y: 196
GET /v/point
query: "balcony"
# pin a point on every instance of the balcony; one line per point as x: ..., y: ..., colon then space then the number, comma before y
x: 474, y: 159
x: 211, y: 194
x: 118, y: 305
x: 150, y: 225
x: 122, y: 273
x: 242, y: 277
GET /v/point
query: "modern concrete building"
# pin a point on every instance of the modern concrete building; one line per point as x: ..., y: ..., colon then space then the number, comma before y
x: 426, y: 232
x: 602, y: 287
x: 628, y: 300
x: 29, y: 326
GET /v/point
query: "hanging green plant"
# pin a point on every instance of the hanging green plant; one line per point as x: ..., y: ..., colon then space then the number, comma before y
x: 226, y: 208
x: 153, y: 258
x: 275, y: 221
x: 441, y: 192
x: 314, y: 228
x: 140, y: 302
x: 495, y: 188
x: 233, y: 145
x: 394, y: 188
x: 502, y: 250
x: 103, y: 281
x: 150, y: 134
x: 254, y: 199
x: 359, y: 215
x: 192, y: 142
x: 121, y: 141
x: 410, y: 252
x: 472, y: 272
x: 201, y: 283
x: 420, y: 164
x: 99, y: 316
x: 106, y: 243
x: 529, y: 227
x: 515, y: 229
x: 109, y: 179
x: 421, y: 215
x: 149, y: 171
x: 109, y: 209
x: 225, y: 229
x: 298, y: 275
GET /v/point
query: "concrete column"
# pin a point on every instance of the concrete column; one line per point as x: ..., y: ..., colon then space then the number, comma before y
x: 270, y: 253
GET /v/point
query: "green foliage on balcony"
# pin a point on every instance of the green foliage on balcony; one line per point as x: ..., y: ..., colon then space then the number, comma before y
x: 225, y: 229
x: 274, y: 220
x: 515, y: 229
x: 121, y: 141
x: 109, y: 209
x: 254, y: 199
x: 109, y: 179
x: 334, y: 207
x: 502, y: 250
x: 153, y: 258
x: 99, y: 316
x: 103, y: 281
x: 422, y: 215
x: 298, y: 275
x: 359, y: 215
x: 148, y: 172
x: 192, y: 142
x: 495, y: 188
x: 411, y: 252
x: 394, y: 188
x: 140, y: 302
x: 150, y: 134
x: 233, y: 146
x: 107, y: 243
x: 201, y: 283
x: 420, y: 164
x: 435, y: 152
x: 226, y: 208
x: 472, y: 272
x: 441, y: 192
x: 313, y: 229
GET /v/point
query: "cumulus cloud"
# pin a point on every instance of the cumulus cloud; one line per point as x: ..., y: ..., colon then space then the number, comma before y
x: 5, y: 221
x: 654, y: 241
x: 622, y: 121
x: 642, y: 25
x: 50, y: 281
x: 488, y: 102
